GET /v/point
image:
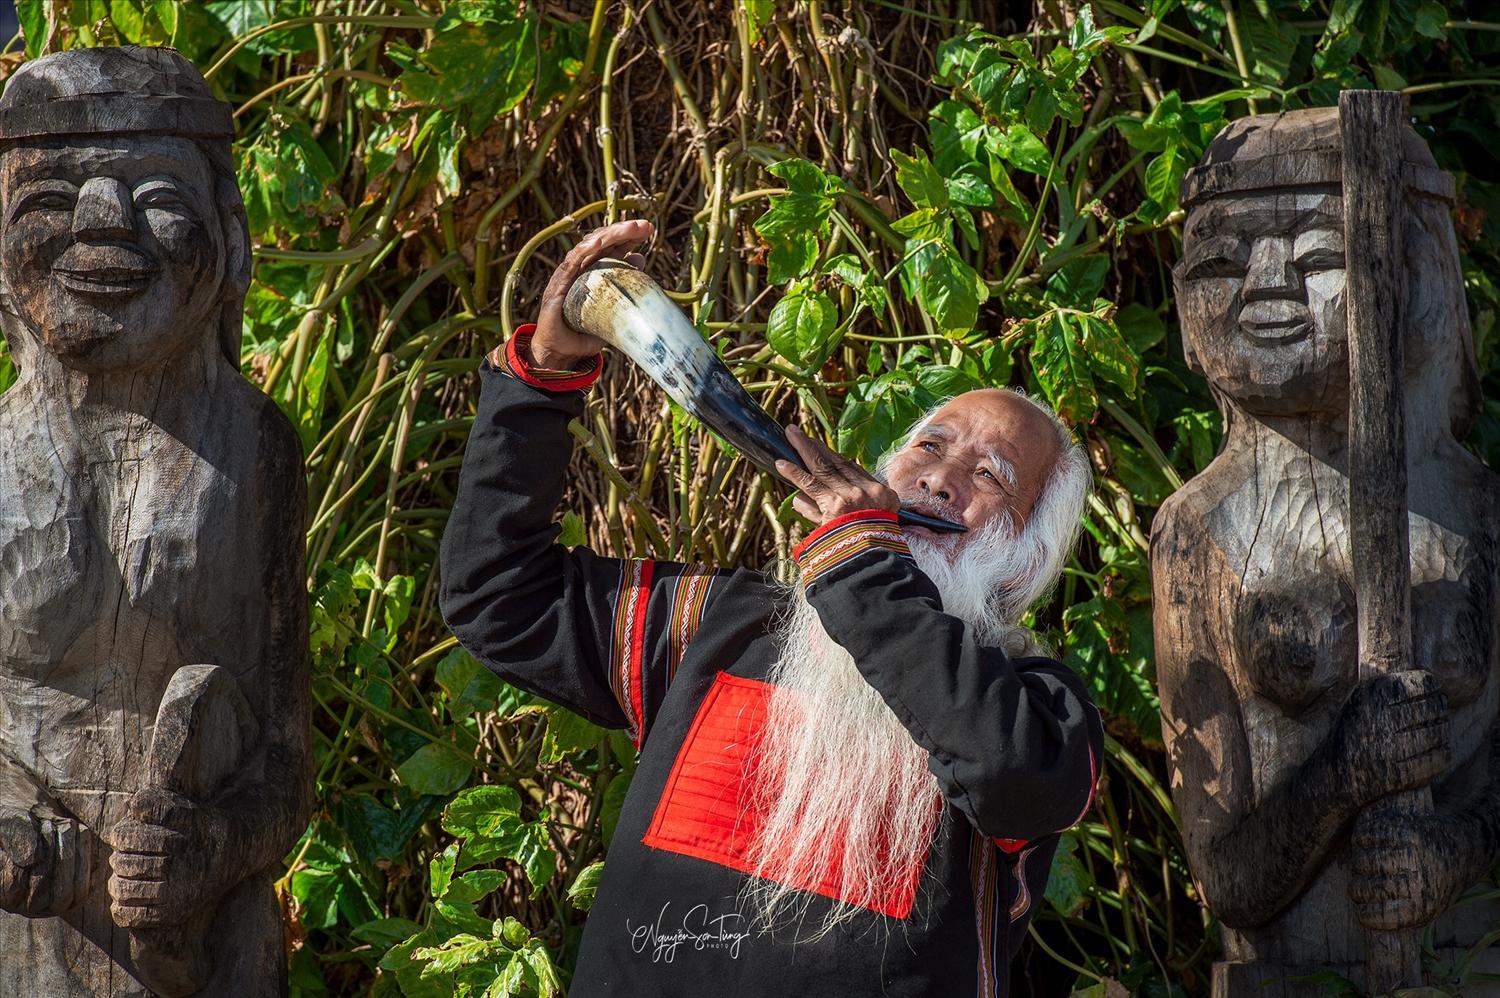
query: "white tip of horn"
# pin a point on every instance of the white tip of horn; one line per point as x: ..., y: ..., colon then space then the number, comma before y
x: 627, y: 309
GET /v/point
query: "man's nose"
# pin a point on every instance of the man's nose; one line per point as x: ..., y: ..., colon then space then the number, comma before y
x: 104, y: 211
x: 1271, y: 272
x: 937, y: 481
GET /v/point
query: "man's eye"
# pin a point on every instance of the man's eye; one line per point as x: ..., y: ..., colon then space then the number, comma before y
x: 928, y: 446
x: 988, y: 474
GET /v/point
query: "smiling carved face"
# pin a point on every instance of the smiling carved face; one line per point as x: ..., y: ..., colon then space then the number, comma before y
x: 1260, y: 291
x: 110, y: 248
x: 986, y: 453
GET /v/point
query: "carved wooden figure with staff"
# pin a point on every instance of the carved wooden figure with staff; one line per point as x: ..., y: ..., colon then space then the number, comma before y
x: 153, y: 611
x: 1325, y: 590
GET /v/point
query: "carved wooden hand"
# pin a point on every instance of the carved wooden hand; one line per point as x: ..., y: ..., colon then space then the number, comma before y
x: 40, y: 872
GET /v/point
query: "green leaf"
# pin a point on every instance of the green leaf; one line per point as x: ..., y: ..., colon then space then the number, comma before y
x: 1270, y: 42
x: 573, y: 532
x: 1068, y: 881
x: 938, y: 381
x: 511, y: 932
x: 539, y: 962
x: 1387, y: 78
x: 128, y: 20
x: 806, y: 177
x: 757, y: 14
x: 567, y: 735
x: 460, y: 951
x: 481, y: 811
x: 947, y: 288
x: 922, y: 184
x: 794, y: 222
x: 470, y: 687
x: 399, y: 962
x: 440, y: 871
x: 374, y: 831
x: 489, y: 818
x: 1141, y: 327
x: 435, y: 768
x: 383, y: 933
x: 486, y: 69
x: 32, y: 15
x: 1019, y: 146
x: 166, y: 15
x: 1164, y: 180
x: 956, y: 133
x: 1431, y: 21
x: 586, y: 885
x: 1110, y: 356
x: 474, y: 885
x: 1061, y: 366
x: 970, y: 190
x: 614, y: 800
x: 525, y: 842
x: 799, y: 326
x: 396, y: 605
x: 1078, y: 282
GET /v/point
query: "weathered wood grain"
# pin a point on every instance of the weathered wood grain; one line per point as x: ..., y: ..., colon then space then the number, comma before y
x: 1370, y: 123
x: 153, y: 632
x: 1277, y: 742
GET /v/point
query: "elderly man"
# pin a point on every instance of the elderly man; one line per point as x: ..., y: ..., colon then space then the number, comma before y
x: 851, y: 788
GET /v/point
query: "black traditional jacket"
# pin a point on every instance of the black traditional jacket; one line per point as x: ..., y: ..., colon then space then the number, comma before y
x: 678, y: 654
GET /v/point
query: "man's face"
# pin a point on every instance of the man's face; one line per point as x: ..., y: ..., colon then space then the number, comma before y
x: 985, y: 454
x: 111, y: 247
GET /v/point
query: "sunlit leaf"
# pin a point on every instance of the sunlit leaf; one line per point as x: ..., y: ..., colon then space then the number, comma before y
x: 799, y: 326
x: 435, y: 768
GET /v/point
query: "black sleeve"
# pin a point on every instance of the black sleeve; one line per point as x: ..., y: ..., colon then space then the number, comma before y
x: 569, y: 626
x: 1015, y: 743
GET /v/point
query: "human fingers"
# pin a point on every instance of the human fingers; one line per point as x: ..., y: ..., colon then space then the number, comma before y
x: 821, y: 461
x: 597, y: 244
x: 807, y: 508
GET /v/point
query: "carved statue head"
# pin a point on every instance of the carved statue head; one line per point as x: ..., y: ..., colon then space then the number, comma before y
x: 1260, y: 286
x: 122, y: 231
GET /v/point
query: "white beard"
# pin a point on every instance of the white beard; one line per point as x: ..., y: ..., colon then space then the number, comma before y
x: 850, y: 776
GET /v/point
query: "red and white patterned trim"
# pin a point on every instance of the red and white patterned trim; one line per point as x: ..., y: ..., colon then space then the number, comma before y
x: 983, y: 877
x: 688, y: 601
x: 627, y: 646
x: 848, y: 536
x: 542, y: 377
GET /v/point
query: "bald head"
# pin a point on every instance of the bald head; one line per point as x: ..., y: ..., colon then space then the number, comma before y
x: 984, y: 453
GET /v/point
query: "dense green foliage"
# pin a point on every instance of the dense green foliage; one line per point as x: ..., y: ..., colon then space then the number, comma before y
x: 867, y: 207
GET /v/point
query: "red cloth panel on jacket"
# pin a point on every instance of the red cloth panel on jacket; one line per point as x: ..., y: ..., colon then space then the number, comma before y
x: 706, y: 809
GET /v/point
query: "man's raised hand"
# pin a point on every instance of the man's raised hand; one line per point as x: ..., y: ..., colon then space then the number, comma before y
x: 555, y: 344
x: 830, y: 485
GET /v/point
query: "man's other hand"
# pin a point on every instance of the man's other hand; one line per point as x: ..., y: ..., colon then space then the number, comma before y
x: 831, y: 486
x: 555, y: 345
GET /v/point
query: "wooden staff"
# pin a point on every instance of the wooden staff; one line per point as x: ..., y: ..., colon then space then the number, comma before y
x: 1370, y: 131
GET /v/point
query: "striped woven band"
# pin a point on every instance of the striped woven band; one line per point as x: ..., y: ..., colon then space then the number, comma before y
x: 545, y: 378
x: 846, y: 537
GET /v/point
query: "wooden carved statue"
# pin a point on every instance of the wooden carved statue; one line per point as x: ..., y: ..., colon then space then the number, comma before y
x: 1283, y: 746
x: 153, y: 638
